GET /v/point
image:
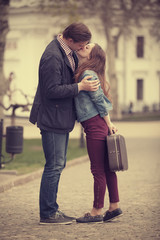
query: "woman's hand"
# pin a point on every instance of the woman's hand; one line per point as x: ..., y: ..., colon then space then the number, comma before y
x: 112, y: 128
x: 87, y: 85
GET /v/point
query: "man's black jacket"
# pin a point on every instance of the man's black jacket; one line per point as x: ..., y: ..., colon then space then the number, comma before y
x: 53, y: 106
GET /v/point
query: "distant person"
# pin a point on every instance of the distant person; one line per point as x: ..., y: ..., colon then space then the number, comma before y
x: 54, y: 112
x: 92, y: 111
x: 130, y: 111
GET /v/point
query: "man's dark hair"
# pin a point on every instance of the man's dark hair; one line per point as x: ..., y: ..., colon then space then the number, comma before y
x: 79, y: 32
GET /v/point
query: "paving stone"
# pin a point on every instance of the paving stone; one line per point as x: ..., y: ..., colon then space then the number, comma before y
x: 139, y: 189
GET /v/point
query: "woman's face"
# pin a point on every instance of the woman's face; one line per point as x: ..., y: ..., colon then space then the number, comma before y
x: 84, y: 53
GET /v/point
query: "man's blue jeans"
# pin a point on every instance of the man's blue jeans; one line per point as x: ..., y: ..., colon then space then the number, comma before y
x: 55, y: 150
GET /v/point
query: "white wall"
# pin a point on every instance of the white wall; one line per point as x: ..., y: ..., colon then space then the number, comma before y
x: 130, y: 68
x: 31, y: 33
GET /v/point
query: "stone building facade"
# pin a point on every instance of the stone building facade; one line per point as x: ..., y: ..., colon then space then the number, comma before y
x: 137, y: 57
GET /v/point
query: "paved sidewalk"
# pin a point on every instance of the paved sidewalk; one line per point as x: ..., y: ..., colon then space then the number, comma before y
x: 139, y: 189
x: 9, y: 179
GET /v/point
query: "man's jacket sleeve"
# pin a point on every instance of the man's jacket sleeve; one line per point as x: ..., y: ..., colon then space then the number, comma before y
x: 52, y: 81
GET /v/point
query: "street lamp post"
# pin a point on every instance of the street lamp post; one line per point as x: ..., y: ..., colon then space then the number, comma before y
x: 1, y: 137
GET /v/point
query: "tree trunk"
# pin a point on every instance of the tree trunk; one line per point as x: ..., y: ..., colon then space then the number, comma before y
x: 82, y: 141
x: 4, y: 13
x: 107, y: 21
x: 116, y: 112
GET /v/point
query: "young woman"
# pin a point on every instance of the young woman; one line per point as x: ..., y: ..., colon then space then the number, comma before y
x: 92, y: 111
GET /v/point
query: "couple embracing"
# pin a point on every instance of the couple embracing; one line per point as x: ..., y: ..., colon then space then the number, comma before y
x: 72, y: 86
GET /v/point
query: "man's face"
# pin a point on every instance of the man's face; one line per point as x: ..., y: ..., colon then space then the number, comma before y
x: 85, y: 52
x: 76, y: 46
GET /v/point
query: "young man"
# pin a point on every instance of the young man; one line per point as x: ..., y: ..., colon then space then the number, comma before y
x: 53, y: 111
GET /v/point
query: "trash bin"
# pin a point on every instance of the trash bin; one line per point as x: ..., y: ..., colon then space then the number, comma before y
x: 14, y: 139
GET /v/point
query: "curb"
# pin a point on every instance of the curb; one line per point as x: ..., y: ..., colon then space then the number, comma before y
x: 20, y: 180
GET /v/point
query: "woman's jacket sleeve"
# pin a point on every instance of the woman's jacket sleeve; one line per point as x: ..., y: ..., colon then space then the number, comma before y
x: 101, y: 102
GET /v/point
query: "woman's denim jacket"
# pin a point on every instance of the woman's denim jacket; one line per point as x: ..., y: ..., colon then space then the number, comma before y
x: 89, y: 104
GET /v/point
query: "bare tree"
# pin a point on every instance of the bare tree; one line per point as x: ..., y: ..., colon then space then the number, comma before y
x: 4, y: 28
x: 15, y: 105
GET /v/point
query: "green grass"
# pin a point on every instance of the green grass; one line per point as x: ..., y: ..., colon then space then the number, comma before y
x: 32, y: 157
x: 139, y: 117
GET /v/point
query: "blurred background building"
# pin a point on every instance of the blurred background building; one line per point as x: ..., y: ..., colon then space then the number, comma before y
x: 137, y: 56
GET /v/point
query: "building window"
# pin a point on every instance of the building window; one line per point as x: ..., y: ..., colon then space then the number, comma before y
x: 139, y: 89
x: 140, y: 47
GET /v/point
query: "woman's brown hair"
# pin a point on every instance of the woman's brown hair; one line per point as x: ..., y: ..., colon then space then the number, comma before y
x: 96, y: 62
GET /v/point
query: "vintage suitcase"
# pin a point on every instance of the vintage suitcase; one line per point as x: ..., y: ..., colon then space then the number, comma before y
x: 117, y: 153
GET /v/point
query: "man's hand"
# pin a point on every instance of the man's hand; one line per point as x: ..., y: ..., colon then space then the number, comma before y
x: 87, y: 85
